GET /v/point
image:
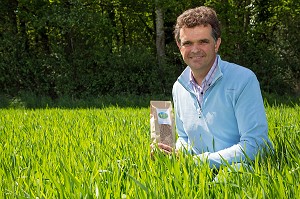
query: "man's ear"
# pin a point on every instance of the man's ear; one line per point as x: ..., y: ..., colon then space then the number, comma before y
x: 178, y: 44
x: 217, y: 45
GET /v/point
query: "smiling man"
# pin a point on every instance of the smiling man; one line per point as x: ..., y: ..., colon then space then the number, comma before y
x: 219, y: 110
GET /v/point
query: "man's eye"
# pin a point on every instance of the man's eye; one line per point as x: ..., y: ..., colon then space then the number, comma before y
x: 203, y: 42
x: 186, y: 44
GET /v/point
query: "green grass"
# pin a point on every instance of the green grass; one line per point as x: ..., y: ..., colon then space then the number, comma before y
x: 104, y: 153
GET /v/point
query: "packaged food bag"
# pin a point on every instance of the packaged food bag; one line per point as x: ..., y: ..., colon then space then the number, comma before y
x: 162, y: 122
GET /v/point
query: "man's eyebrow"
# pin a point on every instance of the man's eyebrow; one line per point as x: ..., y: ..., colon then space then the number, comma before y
x: 191, y: 42
x: 203, y: 40
x: 186, y: 41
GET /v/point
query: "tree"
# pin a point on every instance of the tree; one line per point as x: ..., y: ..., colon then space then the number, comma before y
x: 93, y: 47
x: 160, y: 32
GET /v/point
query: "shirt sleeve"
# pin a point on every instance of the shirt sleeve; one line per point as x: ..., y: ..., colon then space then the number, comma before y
x: 182, y: 140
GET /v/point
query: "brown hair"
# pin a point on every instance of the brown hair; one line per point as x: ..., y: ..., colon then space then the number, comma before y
x: 198, y: 16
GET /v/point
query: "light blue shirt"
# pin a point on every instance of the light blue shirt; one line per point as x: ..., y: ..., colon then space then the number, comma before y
x: 231, y: 123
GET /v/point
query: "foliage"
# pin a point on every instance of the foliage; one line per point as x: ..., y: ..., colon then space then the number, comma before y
x: 86, y: 48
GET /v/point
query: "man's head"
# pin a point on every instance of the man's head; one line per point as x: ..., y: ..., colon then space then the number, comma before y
x: 195, y: 17
x: 197, y: 35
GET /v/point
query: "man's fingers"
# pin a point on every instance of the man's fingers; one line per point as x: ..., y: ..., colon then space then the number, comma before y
x: 165, y: 147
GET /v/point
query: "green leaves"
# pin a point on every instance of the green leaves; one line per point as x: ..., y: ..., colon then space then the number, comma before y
x: 79, y: 47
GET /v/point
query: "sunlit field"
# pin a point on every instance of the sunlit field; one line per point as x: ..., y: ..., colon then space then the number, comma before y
x: 105, y: 153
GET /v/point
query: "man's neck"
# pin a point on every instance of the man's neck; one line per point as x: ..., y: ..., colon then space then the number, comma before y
x: 199, y: 76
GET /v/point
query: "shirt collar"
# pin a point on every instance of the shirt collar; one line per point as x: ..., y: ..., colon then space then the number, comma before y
x: 208, y: 78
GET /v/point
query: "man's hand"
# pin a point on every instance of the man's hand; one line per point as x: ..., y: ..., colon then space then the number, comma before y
x: 166, y: 149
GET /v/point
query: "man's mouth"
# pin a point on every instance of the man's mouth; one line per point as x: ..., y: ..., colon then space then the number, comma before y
x: 197, y: 57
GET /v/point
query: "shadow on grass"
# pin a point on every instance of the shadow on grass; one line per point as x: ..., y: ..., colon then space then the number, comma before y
x: 279, y: 100
x: 30, y: 101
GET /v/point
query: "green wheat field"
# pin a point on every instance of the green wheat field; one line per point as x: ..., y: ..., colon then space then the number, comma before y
x: 105, y: 153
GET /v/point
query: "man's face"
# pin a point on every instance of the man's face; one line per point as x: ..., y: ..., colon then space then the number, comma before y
x: 198, y: 48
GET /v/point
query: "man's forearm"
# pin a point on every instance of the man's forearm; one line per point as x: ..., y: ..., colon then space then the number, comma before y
x: 234, y: 154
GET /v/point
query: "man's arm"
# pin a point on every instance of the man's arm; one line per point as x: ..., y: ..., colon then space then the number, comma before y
x: 252, y: 125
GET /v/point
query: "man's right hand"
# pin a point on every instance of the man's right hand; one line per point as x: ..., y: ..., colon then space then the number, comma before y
x: 166, y: 149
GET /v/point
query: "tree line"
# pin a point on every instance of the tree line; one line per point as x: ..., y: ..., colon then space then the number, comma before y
x: 96, y: 47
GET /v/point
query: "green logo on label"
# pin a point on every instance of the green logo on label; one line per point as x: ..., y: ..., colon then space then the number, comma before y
x: 163, y: 115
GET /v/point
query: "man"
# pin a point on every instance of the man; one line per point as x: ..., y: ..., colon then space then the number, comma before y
x: 219, y: 110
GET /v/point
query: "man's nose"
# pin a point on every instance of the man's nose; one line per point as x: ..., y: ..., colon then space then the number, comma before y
x: 195, y: 47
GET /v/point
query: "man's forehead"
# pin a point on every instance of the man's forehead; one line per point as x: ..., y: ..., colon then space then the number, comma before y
x: 198, y: 31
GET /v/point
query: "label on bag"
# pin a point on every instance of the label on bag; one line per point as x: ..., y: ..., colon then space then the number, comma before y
x: 163, y: 116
